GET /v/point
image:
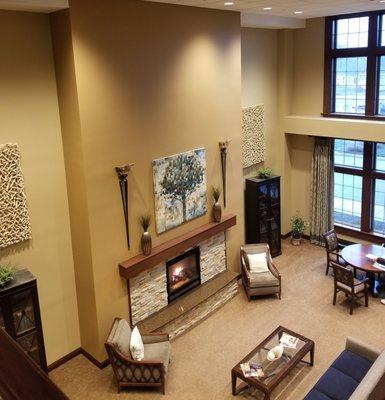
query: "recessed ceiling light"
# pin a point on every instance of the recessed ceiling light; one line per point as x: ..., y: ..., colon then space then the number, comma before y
x: 229, y: 3
x: 298, y: 12
x: 270, y: 8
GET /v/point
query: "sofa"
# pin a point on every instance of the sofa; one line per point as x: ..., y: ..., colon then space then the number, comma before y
x: 358, y: 373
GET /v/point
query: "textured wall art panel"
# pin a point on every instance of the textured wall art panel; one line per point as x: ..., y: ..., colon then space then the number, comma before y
x: 14, y: 218
x: 253, y: 136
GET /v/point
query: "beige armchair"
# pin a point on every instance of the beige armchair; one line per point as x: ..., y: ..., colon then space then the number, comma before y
x: 149, y: 372
x: 263, y: 283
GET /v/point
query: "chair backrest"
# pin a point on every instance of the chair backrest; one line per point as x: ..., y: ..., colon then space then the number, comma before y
x: 331, y: 240
x: 343, y: 275
x: 258, y: 248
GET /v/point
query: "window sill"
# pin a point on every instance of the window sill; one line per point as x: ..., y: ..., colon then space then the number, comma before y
x: 354, y: 116
x: 355, y: 233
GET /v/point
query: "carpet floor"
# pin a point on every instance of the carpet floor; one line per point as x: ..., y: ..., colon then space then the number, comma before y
x: 203, y: 357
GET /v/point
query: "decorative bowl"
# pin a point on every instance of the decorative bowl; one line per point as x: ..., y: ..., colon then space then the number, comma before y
x: 275, y: 353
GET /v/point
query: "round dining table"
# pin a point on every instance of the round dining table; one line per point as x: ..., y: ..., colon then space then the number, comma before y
x: 356, y: 256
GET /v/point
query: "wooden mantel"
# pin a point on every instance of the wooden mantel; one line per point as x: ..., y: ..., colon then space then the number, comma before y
x: 134, y: 266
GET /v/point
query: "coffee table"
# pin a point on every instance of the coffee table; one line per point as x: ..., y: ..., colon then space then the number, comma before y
x: 275, y: 371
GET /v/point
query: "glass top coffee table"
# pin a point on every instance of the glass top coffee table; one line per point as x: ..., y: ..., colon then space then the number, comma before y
x: 274, y: 371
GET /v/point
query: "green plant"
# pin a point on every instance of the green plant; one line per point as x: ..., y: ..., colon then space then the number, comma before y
x: 264, y: 172
x: 145, y: 221
x: 298, y: 226
x: 216, y: 193
x: 6, y: 274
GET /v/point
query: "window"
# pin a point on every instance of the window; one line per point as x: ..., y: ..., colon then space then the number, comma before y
x: 355, y: 65
x: 359, y: 185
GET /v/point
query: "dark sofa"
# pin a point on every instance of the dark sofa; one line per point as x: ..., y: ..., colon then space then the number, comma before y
x: 358, y: 373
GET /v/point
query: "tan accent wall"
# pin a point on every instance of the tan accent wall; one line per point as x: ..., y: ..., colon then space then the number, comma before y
x: 152, y: 80
x: 29, y: 116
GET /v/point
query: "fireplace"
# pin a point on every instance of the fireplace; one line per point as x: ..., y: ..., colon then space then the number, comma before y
x: 183, y: 273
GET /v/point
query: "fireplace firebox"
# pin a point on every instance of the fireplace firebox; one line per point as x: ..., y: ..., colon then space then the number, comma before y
x: 183, y: 273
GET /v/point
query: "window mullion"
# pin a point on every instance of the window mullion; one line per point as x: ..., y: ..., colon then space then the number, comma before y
x: 371, y: 72
x: 367, y: 189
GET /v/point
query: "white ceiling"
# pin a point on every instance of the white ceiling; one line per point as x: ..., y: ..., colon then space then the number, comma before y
x: 287, y: 8
x: 44, y: 6
x: 281, y: 15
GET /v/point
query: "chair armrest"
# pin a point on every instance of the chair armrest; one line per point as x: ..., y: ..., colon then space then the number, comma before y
x: 244, y: 267
x: 366, y: 280
x: 362, y: 349
x: 273, y: 269
x: 155, y: 338
x: 341, y: 246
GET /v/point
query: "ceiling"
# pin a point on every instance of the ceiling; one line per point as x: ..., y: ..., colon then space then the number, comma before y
x: 44, y: 6
x: 287, y: 8
x: 281, y: 15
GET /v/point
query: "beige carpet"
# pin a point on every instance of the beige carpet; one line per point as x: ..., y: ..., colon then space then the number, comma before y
x: 204, y: 356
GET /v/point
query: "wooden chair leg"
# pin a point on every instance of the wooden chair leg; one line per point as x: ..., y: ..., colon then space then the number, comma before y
x: 366, y: 298
x: 334, y: 297
x: 352, y: 299
x: 355, y: 272
x: 327, y: 268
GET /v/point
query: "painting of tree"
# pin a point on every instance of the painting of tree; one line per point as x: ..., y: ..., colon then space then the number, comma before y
x: 180, y: 188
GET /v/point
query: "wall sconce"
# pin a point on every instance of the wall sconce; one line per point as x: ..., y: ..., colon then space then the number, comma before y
x: 223, y: 146
x: 122, y: 173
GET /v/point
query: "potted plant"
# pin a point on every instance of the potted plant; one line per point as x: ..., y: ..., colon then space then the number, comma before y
x: 7, y: 274
x: 264, y: 172
x: 146, y: 241
x: 298, y: 226
x: 217, y: 208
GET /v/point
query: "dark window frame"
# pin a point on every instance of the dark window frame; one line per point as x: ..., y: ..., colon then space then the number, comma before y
x: 369, y: 174
x: 373, y: 53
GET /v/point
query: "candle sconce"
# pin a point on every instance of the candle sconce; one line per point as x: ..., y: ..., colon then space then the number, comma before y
x: 122, y: 173
x: 223, y: 146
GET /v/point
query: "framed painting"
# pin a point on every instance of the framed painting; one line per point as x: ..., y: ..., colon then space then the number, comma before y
x: 179, y: 188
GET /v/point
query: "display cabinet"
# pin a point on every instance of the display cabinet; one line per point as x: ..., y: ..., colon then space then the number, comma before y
x: 263, y: 212
x: 20, y: 315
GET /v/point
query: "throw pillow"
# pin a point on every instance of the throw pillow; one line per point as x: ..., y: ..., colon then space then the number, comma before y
x: 136, y: 345
x: 258, y: 263
x: 122, y: 337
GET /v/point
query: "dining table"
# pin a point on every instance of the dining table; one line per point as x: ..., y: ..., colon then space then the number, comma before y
x: 356, y: 255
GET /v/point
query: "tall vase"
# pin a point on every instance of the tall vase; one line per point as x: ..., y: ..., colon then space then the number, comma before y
x: 146, y: 243
x: 217, y: 212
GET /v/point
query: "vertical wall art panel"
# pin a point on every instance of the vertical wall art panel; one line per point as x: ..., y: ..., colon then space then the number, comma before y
x: 253, y: 136
x: 179, y: 188
x: 14, y: 219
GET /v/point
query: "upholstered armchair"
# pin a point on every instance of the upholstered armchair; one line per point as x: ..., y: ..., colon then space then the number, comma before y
x: 261, y: 283
x: 344, y: 281
x: 149, y: 372
x: 333, y: 249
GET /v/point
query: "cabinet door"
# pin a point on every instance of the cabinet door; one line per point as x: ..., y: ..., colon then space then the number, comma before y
x: 274, y: 193
x: 24, y: 322
x: 23, y: 313
x: 263, y: 196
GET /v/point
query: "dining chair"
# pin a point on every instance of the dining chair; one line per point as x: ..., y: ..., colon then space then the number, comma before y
x: 333, y: 250
x: 344, y: 281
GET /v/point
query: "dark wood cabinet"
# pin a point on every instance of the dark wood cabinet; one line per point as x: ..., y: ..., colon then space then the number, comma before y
x: 263, y: 212
x: 20, y: 315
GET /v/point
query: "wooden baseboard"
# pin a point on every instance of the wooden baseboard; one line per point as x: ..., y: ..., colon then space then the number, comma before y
x: 75, y: 353
x: 287, y: 235
x: 94, y: 361
x: 64, y: 359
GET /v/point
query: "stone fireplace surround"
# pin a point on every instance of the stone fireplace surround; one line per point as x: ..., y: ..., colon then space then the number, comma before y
x: 147, y: 290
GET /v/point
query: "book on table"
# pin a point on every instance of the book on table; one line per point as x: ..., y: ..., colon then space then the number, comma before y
x: 252, y: 370
x: 289, y: 341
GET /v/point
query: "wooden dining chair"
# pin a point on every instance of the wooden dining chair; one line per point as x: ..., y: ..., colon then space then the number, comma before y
x: 344, y: 281
x: 333, y: 249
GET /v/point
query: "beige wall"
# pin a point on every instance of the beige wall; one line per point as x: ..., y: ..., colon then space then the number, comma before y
x: 260, y: 84
x: 29, y: 116
x: 152, y: 80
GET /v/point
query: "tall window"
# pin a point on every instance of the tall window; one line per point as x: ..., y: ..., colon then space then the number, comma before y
x: 359, y: 185
x: 355, y: 65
